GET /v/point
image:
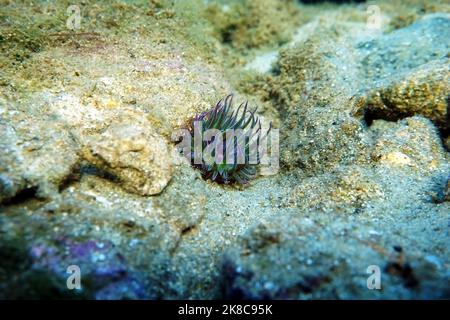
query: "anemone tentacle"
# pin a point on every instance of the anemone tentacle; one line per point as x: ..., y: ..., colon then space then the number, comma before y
x: 223, y: 118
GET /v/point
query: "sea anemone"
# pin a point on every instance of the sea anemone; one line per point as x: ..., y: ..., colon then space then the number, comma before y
x: 231, y: 138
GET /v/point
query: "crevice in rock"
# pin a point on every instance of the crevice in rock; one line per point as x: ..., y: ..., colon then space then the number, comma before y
x: 85, y: 169
x: 186, y: 232
x: 90, y: 169
x: 371, y: 115
x: 69, y: 180
x: 22, y: 196
x: 227, y: 34
x: 183, y: 233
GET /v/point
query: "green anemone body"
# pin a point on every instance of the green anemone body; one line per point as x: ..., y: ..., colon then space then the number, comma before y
x: 245, y: 126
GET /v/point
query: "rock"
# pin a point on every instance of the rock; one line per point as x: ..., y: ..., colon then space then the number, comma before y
x: 404, y: 73
x: 141, y: 160
x: 104, y: 272
x: 403, y: 50
x: 352, y: 169
x: 302, y: 264
x: 322, y: 132
x: 263, y: 63
x: 164, y: 86
x: 250, y: 24
x: 424, y: 91
x: 408, y: 71
x: 412, y: 143
x: 38, y: 154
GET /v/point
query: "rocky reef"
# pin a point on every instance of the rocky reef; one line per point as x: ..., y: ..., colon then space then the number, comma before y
x: 90, y: 175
